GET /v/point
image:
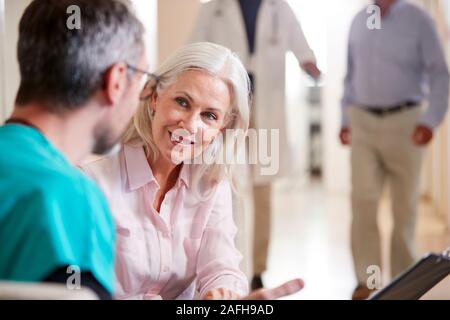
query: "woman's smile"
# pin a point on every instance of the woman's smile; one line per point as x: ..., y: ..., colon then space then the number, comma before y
x: 177, y: 139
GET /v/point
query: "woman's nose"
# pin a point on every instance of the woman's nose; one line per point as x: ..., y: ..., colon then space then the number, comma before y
x: 192, y: 124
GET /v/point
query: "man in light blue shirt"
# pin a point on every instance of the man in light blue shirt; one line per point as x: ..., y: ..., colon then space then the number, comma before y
x: 393, y: 72
x: 78, y: 91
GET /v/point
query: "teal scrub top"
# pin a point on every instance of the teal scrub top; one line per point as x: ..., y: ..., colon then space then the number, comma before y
x: 51, y: 215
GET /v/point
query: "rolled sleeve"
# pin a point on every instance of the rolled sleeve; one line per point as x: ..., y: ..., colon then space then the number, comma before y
x: 218, y: 260
x: 437, y: 71
x: 349, y: 90
x: 297, y: 40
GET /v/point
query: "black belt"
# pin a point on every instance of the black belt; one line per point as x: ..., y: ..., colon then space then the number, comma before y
x: 383, y: 111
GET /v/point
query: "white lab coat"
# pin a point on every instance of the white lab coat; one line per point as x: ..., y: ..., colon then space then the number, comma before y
x: 277, y: 31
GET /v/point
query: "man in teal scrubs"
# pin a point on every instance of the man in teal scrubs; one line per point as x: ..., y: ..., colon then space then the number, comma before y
x: 79, y: 88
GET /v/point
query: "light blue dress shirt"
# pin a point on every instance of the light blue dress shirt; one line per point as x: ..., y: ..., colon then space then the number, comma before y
x: 403, y: 61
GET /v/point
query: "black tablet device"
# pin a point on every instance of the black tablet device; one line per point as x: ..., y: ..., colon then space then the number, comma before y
x: 418, y: 279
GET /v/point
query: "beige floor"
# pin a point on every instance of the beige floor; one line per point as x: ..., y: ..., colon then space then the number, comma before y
x: 311, y: 241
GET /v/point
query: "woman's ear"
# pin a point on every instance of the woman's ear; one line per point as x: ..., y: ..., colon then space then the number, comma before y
x: 149, y: 89
x: 229, y: 121
x: 153, y: 98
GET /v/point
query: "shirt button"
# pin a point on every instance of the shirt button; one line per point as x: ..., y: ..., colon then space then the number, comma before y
x: 166, y: 269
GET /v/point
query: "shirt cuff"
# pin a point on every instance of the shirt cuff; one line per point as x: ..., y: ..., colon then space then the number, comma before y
x: 308, y: 57
x: 231, y: 282
x: 344, y: 117
x: 428, y: 121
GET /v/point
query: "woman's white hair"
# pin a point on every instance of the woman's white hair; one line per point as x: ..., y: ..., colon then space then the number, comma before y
x: 217, y: 61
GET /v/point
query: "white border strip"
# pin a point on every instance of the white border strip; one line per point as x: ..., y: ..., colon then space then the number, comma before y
x: 2, y: 62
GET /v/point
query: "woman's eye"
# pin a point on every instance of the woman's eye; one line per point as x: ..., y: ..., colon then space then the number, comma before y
x: 210, y: 116
x: 182, y: 102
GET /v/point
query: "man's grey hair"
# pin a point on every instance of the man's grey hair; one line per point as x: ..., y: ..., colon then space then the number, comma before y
x: 62, y: 67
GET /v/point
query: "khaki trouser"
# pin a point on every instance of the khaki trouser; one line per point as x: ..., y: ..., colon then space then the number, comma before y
x: 261, y: 231
x: 262, y: 203
x: 382, y: 150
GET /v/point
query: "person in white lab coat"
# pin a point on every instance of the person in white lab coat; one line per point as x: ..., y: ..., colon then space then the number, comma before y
x: 260, y: 32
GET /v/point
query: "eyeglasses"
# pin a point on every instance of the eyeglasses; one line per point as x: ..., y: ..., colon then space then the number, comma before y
x: 148, y: 83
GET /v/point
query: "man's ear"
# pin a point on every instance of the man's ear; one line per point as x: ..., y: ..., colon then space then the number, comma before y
x: 115, y: 83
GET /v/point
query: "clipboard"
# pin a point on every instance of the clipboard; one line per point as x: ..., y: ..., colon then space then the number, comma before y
x: 418, y: 279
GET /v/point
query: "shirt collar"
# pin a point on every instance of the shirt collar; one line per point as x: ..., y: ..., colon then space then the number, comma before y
x: 185, y: 175
x: 137, y: 168
x: 139, y: 172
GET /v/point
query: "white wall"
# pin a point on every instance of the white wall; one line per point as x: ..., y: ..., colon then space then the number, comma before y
x: 176, y: 19
x: 147, y: 12
x: 11, y: 78
x: 299, y: 112
x: 9, y: 82
x: 2, y: 62
x: 326, y: 25
x: 336, y: 157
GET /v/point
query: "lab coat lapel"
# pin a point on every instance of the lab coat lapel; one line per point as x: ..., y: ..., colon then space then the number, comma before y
x: 235, y: 17
x: 263, y: 18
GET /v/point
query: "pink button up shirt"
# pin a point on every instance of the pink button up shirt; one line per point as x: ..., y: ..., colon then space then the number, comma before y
x: 187, y: 247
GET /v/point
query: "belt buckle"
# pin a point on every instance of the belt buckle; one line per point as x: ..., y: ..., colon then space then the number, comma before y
x: 382, y: 112
x: 376, y: 111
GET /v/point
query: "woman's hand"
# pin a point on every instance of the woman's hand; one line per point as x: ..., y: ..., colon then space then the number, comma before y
x: 285, y: 289
x: 221, y: 294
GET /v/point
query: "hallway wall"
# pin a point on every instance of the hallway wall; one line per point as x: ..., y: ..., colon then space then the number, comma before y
x: 176, y: 20
x: 13, y: 12
x: 9, y: 68
x: 436, y: 187
x: 2, y: 61
x: 336, y: 157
